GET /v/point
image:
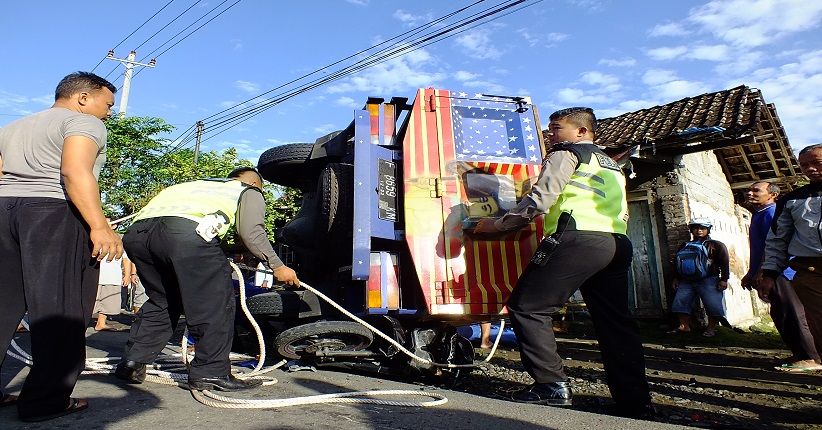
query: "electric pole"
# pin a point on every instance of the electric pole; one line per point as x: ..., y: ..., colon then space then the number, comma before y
x: 200, y: 127
x: 130, y: 63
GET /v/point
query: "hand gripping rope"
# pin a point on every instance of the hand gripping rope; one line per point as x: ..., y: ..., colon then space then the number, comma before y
x: 169, y: 369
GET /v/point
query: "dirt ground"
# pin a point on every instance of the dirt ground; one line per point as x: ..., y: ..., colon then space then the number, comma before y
x: 726, y: 382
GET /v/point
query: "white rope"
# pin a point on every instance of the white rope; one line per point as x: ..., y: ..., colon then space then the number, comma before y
x: 119, y: 220
x: 398, y: 345
x: 210, y: 399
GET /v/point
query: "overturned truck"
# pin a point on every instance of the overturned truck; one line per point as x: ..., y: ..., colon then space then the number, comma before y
x: 384, y: 225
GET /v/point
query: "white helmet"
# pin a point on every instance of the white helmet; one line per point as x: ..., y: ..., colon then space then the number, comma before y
x: 704, y: 222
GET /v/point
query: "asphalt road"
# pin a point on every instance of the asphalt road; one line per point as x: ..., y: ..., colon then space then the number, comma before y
x: 154, y: 406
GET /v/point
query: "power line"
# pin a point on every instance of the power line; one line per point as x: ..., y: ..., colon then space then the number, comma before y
x: 169, y: 23
x: 151, y: 37
x: 153, y: 59
x: 225, y: 122
x: 187, y: 136
x: 201, y: 26
x: 407, y: 34
x: 142, y: 60
x: 382, y: 56
x: 132, y: 33
x: 189, y: 34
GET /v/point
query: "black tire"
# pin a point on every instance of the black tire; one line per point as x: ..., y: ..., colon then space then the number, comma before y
x: 337, y: 192
x: 305, y: 340
x: 289, y: 166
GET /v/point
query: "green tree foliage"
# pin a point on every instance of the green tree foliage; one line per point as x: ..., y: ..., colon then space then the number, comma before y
x: 282, y: 204
x: 140, y: 163
x: 130, y: 178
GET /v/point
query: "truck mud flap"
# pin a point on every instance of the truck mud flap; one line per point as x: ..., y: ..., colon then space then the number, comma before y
x: 285, y: 304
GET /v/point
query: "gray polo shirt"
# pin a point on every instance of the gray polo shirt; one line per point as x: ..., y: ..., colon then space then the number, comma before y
x: 32, y: 150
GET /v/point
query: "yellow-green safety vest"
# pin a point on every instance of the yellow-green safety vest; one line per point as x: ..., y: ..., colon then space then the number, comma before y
x: 594, y: 199
x: 197, y: 199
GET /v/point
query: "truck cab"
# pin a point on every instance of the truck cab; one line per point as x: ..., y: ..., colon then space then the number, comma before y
x: 389, y: 204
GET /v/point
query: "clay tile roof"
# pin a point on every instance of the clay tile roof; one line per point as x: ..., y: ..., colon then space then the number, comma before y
x: 737, y: 124
x: 736, y: 110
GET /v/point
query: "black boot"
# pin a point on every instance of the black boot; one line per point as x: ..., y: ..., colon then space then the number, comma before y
x: 131, y: 371
x: 550, y: 393
x: 223, y: 383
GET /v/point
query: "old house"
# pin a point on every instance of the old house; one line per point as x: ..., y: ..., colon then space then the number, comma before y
x: 695, y: 158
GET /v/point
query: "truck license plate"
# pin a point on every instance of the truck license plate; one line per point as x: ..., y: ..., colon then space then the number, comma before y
x: 388, y: 191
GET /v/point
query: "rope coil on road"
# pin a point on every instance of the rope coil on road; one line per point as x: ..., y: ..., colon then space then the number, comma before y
x: 211, y: 399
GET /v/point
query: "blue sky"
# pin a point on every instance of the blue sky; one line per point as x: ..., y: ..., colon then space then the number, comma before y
x: 615, y: 56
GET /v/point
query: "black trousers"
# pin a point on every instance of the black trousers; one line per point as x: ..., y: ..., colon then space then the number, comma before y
x: 788, y: 316
x: 46, y: 269
x: 597, y: 264
x: 182, y: 274
x: 808, y: 286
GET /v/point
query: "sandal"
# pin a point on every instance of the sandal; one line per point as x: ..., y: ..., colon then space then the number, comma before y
x: 8, y: 400
x: 709, y: 333
x: 75, y: 405
x: 798, y: 368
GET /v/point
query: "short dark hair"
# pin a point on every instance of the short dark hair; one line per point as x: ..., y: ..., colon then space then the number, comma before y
x: 772, y: 188
x: 236, y: 173
x: 810, y: 148
x: 578, y: 116
x: 78, y: 82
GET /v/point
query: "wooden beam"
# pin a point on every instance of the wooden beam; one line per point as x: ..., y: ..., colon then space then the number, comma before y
x: 773, y: 118
x: 786, y: 180
x: 728, y: 175
x: 708, y: 146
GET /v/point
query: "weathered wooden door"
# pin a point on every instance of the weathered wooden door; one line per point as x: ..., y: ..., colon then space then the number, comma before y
x: 647, y: 295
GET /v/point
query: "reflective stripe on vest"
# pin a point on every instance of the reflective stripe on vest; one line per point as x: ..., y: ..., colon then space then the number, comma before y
x: 194, y: 200
x: 595, y: 194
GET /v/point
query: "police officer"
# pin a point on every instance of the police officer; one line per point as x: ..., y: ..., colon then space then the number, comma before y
x: 175, y: 243
x: 581, y: 191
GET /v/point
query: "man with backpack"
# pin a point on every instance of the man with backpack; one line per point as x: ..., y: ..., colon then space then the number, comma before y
x: 702, y: 269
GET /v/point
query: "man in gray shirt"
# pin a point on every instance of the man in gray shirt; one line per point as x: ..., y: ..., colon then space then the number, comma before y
x: 175, y: 243
x: 52, y: 233
x: 797, y: 231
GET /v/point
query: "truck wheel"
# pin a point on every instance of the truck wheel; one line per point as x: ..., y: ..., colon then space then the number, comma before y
x: 306, y: 340
x: 337, y: 190
x: 288, y: 165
